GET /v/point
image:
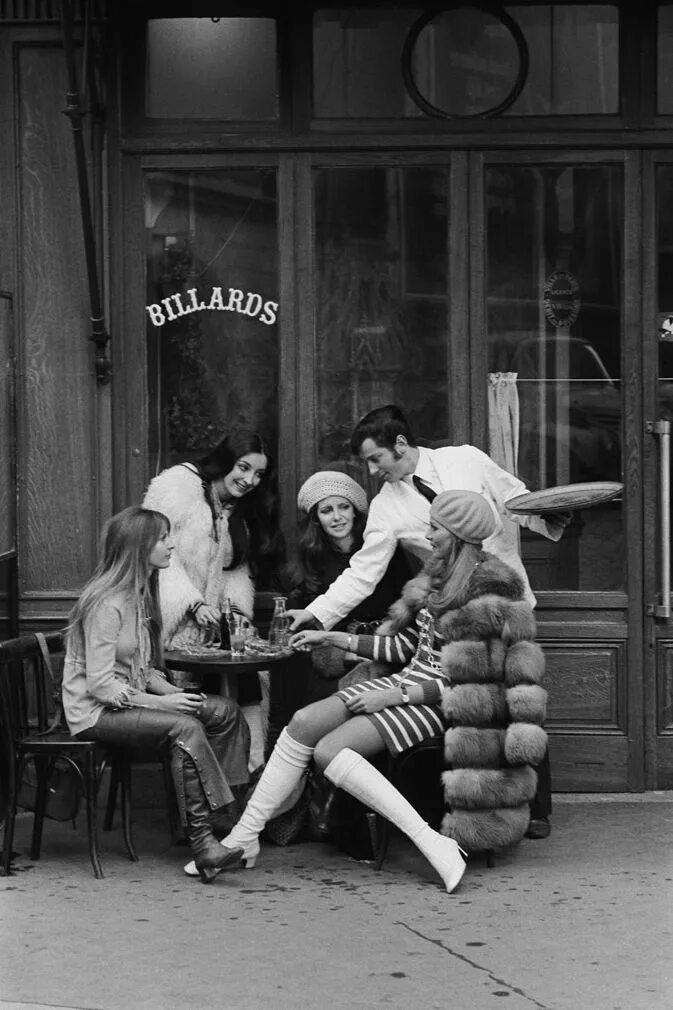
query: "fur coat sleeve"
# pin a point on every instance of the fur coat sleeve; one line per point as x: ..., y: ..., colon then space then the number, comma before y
x: 196, y: 571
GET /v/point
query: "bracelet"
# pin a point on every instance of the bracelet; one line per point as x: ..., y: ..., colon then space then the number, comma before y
x: 350, y: 643
x: 195, y: 607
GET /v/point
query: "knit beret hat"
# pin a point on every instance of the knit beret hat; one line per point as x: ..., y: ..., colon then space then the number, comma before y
x: 326, y: 483
x: 466, y: 514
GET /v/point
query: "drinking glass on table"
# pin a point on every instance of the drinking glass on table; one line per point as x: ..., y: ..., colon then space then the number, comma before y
x: 238, y: 634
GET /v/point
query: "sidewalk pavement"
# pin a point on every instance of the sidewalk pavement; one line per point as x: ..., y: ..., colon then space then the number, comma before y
x: 580, y: 921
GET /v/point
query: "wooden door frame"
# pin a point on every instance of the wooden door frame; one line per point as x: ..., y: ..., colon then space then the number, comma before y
x: 658, y: 655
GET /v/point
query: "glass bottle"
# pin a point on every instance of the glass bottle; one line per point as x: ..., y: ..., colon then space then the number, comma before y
x: 225, y: 625
x: 279, y: 629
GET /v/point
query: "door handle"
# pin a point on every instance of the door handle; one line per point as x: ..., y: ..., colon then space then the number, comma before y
x: 662, y: 431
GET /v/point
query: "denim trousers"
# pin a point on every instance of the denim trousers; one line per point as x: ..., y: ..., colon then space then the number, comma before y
x: 216, y: 740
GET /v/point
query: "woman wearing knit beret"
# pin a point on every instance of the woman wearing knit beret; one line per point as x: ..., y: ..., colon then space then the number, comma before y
x: 334, y: 512
x: 465, y: 633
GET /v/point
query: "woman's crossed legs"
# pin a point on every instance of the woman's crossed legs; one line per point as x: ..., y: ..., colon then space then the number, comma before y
x: 327, y: 727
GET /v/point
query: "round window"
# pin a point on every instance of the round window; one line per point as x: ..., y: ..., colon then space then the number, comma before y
x: 465, y: 61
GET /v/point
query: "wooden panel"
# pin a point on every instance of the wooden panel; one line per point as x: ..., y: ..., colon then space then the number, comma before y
x: 588, y: 763
x: 583, y: 681
x: 57, y: 428
x: 665, y: 687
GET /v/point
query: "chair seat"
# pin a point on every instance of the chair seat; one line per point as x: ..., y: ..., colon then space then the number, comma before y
x: 58, y: 741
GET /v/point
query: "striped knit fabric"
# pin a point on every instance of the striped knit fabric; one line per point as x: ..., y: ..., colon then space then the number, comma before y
x: 403, y: 726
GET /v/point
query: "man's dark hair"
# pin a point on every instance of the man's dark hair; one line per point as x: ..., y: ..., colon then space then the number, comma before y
x: 383, y: 425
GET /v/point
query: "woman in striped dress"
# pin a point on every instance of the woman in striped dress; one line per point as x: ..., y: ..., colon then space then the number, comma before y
x: 339, y: 733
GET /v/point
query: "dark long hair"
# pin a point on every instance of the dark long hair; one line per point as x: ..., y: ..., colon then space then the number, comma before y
x: 314, y: 549
x: 127, y: 541
x: 253, y: 523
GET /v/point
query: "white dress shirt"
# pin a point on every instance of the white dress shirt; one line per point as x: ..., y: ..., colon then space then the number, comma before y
x: 400, y: 514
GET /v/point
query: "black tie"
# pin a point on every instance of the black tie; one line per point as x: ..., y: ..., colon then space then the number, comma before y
x: 423, y: 489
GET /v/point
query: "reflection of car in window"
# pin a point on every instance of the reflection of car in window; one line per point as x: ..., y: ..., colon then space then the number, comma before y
x: 570, y: 410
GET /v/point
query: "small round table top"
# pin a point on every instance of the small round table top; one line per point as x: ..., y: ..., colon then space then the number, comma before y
x: 221, y: 661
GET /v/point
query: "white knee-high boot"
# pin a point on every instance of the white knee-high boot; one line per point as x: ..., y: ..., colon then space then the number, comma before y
x: 350, y: 771
x: 282, y: 773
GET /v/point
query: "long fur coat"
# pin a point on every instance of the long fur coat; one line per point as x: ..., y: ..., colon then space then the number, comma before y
x: 196, y: 570
x: 494, y: 708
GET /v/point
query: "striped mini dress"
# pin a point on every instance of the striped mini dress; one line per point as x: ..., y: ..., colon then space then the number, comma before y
x: 403, y: 726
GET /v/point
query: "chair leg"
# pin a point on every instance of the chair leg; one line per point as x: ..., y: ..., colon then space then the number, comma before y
x: 126, y: 808
x: 383, y: 841
x: 10, y: 819
x: 42, y: 772
x: 90, y: 790
x: 111, y: 795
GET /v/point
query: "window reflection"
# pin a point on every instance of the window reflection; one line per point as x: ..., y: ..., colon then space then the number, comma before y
x: 665, y: 59
x: 554, y: 319
x: 200, y: 68
x: 382, y: 299
x: 212, y: 303
x: 466, y: 62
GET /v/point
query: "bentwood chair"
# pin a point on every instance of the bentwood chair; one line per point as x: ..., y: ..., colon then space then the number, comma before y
x: 33, y: 729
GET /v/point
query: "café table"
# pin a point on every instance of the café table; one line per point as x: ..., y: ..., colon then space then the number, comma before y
x: 206, y: 669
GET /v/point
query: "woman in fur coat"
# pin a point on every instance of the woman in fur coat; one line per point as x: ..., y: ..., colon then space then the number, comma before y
x: 465, y: 634
x: 222, y: 516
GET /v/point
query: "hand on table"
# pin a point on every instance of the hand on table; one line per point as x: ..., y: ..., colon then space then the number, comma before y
x: 307, y: 640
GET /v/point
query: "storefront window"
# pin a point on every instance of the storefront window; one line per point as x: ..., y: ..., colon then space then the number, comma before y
x: 382, y: 327
x: 211, y: 68
x: 465, y: 61
x: 212, y: 306
x: 7, y: 432
x: 554, y: 325
x: 665, y: 60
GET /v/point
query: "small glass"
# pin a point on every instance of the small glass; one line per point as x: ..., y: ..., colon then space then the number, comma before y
x: 238, y: 634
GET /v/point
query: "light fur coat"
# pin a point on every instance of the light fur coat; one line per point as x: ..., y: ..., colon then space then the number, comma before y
x: 196, y: 571
x: 494, y: 708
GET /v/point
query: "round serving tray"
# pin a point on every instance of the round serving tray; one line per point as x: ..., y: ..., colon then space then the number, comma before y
x: 565, y: 497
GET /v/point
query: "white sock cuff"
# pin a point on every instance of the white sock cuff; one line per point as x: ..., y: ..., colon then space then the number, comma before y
x: 340, y: 766
x: 292, y: 750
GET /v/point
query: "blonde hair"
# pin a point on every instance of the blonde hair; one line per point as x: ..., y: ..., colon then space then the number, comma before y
x: 448, y: 572
x: 127, y: 541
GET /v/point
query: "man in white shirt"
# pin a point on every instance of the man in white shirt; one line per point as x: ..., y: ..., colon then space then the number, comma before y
x: 399, y: 514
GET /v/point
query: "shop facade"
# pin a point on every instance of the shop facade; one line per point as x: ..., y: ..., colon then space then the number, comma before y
x: 299, y: 213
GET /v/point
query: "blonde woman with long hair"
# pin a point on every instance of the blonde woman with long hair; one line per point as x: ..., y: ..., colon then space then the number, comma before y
x: 115, y: 691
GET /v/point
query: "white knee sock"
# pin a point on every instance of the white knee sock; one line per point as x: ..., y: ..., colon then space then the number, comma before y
x: 283, y: 771
x: 281, y: 776
x: 350, y: 771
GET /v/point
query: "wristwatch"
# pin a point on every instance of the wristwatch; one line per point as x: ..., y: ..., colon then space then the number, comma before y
x: 405, y: 697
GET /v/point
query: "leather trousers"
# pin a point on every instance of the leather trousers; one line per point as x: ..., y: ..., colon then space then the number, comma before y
x: 216, y: 739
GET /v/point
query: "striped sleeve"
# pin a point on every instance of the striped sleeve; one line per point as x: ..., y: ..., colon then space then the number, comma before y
x: 397, y: 648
